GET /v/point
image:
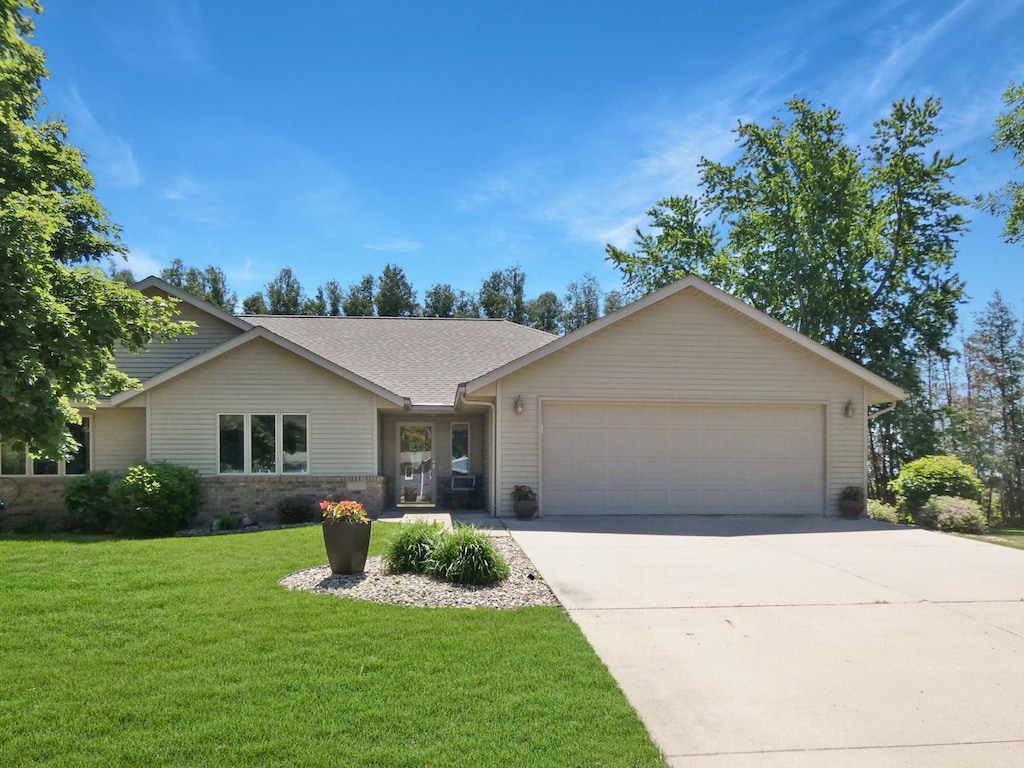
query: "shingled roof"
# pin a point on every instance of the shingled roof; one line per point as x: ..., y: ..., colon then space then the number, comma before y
x: 422, y: 358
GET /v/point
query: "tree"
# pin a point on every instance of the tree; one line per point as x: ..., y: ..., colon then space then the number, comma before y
x: 358, y: 301
x: 119, y: 274
x: 395, y: 296
x: 582, y: 303
x: 284, y: 294
x: 613, y: 302
x: 255, y: 305
x: 502, y: 295
x: 1009, y: 134
x: 332, y: 291
x: 854, y: 249
x: 545, y: 312
x: 208, y: 284
x: 439, y: 301
x: 61, y: 318
x: 466, y: 305
x: 316, y: 304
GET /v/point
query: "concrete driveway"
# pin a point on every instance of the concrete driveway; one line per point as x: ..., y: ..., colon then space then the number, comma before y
x: 799, y: 642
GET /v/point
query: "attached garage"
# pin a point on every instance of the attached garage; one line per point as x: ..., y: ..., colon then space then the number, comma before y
x: 642, y: 458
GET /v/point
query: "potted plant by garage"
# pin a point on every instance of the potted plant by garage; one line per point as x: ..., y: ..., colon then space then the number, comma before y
x: 346, y: 535
x: 524, y: 501
x: 851, y: 501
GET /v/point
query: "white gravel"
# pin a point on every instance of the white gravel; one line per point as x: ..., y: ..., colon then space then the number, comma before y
x: 524, y: 587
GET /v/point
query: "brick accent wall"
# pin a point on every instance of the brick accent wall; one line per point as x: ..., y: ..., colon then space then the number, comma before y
x: 257, y: 496
x: 251, y: 495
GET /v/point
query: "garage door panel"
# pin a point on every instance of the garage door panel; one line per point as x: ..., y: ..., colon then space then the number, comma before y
x: 682, y: 459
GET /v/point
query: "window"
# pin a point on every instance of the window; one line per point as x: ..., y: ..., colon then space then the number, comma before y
x: 14, y: 458
x: 262, y: 443
x: 460, y: 448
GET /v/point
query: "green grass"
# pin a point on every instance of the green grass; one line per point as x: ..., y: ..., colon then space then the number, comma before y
x: 186, y: 652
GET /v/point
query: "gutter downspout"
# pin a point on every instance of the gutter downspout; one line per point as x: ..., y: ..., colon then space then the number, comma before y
x: 491, y: 475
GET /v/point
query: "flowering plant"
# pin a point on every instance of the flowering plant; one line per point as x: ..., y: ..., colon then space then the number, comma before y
x: 343, y: 512
x: 523, y: 493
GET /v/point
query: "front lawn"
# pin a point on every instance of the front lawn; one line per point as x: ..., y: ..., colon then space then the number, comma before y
x: 1012, y: 537
x: 186, y: 652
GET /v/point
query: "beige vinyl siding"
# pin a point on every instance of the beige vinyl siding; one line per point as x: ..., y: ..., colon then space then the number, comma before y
x: 260, y: 377
x: 687, y: 348
x: 159, y: 356
x: 118, y: 438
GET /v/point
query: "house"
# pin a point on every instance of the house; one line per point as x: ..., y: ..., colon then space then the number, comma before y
x: 687, y: 401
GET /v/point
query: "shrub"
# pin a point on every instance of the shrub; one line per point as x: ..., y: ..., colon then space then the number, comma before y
x: 467, y: 556
x: 227, y: 523
x: 31, y: 526
x: 933, y: 476
x: 879, y: 510
x: 155, y: 499
x: 292, y: 510
x: 409, y: 550
x: 949, y: 513
x: 87, y: 503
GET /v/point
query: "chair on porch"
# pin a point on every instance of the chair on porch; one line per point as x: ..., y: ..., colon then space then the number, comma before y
x: 463, y: 490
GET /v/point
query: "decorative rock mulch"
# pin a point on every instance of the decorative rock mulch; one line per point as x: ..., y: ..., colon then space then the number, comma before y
x: 524, y: 587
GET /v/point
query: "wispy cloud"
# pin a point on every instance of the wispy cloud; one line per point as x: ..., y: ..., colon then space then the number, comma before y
x: 110, y: 157
x: 395, y: 246
x: 142, y: 263
x: 157, y: 36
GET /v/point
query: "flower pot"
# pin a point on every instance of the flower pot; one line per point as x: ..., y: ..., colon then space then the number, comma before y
x: 851, y: 509
x: 525, y: 510
x: 347, y: 544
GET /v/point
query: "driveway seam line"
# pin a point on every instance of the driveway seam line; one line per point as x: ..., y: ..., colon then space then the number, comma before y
x: 850, y: 749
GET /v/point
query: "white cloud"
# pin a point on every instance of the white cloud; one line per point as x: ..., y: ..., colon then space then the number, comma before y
x: 395, y: 246
x: 110, y: 157
x: 141, y: 263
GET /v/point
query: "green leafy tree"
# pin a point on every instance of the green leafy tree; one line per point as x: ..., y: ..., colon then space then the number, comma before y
x: 315, y: 304
x: 284, y: 294
x: 466, y: 305
x: 1009, y: 134
x: 119, y: 274
x: 502, y: 295
x: 545, y: 312
x: 61, y: 318
x: 358, y: 300
x: 334, y: 296
x: 395, y: 296
x: 854, y: 249
x: 255, y: 305
x: 439, y: 301
x: 582, y: 303
x: 208, y: 284
x: 613, y: 302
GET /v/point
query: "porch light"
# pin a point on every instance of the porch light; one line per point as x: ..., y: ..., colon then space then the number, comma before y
x: 848, y: 409
x: 519, y: 405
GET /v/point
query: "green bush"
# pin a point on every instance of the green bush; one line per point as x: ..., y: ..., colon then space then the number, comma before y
x: 879, y: 510
x: 227, y: 523
x: 87, y: 503
x: 409, y: 550
x: 933, y: 476
x: 467, y: 556
x: 155, y: 499
x: 292, y: 510
x: 949, y: 513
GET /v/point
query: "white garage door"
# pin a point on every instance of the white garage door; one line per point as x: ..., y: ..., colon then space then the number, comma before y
x: 616, y: 459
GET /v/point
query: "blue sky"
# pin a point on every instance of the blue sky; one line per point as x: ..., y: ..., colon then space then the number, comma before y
x: 455, y: 138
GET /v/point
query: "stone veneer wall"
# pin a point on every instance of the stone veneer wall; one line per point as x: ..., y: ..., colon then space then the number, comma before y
x: 257, y: 496
x: 250, y: 495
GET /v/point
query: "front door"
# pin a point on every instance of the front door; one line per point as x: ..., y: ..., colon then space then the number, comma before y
x: 415, y: 464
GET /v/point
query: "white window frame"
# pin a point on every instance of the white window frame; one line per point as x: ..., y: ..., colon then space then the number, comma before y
x: 247, y: 442
x: 61, y: 463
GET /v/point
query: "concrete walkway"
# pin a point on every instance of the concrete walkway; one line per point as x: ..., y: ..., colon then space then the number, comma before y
x: 799, y: 642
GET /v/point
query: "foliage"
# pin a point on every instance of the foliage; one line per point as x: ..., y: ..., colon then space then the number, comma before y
x: 439, y: 301
x: 502, y: 295
x: 582, y: 303
x: 208, y: 284
x: 255, y: 305
x: 523, y: 493
x: 1009, y: 134
x: 879, y: 510
x: 934, y: 476
x: 409, y: 550
x: 292, y: 510
x: 358, y: 300
x: 852, y: 493
x: 284, y: 294
x: 155, y: 499
x: 227, y: 523
x: 545, y: 312
x: 88, y: 504
x: 395, y: 296
x: 949, y: 513
x: 467, y: 556
x: 182, y: 621
x: 854, y: 248
x: 343, y: 511
x: 60, y: 317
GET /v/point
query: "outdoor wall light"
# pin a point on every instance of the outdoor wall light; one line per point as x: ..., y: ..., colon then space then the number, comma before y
x: 848, y: 409
x: 519, y: 405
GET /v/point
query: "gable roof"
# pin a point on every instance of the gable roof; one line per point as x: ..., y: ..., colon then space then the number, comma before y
x: 422, y: 358
x: 184, y: 296
x: 692, y: 282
